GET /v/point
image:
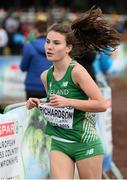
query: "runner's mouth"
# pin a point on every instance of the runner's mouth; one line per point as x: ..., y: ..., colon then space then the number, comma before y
x: 49, y: 53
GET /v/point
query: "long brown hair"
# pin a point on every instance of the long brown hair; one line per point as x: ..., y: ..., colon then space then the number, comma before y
x: 90, y: 32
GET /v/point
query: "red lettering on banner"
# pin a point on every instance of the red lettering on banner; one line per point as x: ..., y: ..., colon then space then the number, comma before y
x: 6, y: 129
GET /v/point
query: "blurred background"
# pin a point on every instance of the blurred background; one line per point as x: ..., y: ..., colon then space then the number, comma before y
x: 17, y: 20
x: 16, y: 29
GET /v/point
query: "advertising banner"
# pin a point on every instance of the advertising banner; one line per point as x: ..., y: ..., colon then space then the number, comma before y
x: 23, y: 145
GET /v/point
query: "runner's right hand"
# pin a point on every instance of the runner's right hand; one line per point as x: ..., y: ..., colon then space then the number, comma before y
x: 32, y: 102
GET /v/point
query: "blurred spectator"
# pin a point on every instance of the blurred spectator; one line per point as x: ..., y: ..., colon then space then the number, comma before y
x: 102, y: 65
x: 16, y: 37
x: 11, y: 24
x: 34, y: 62
x: 3, y: 39
x: 27, y: 30
x: 120, y: 55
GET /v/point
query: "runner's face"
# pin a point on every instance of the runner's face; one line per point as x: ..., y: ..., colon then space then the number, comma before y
x: 55, y: 47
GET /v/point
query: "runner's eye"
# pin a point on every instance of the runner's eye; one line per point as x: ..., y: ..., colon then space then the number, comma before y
x: 47, y: 41
x: 57, y: 42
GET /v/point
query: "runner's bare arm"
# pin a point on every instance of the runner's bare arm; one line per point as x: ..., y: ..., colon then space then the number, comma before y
x: 44, y: 79
x: 96, y: 102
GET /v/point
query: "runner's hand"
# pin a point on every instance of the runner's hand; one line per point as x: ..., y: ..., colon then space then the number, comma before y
x: 32, y: 102
x: 58, y: 101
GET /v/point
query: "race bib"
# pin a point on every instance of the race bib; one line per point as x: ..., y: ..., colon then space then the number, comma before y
x: 61, y: 117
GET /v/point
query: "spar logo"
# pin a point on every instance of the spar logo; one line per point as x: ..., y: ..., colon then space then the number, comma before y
x: 7, y: 129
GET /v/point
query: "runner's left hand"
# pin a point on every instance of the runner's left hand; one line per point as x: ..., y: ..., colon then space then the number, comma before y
x: 58, y: 101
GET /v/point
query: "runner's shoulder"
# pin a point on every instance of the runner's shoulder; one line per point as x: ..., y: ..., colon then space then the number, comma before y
x: 44, y: 75
x: 77, y: 69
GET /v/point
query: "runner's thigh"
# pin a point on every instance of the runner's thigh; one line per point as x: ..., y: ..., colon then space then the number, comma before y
x: 90, y: 168
x: 61, y: 165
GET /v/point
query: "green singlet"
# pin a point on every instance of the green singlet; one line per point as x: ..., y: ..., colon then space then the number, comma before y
x: 83, y: 125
